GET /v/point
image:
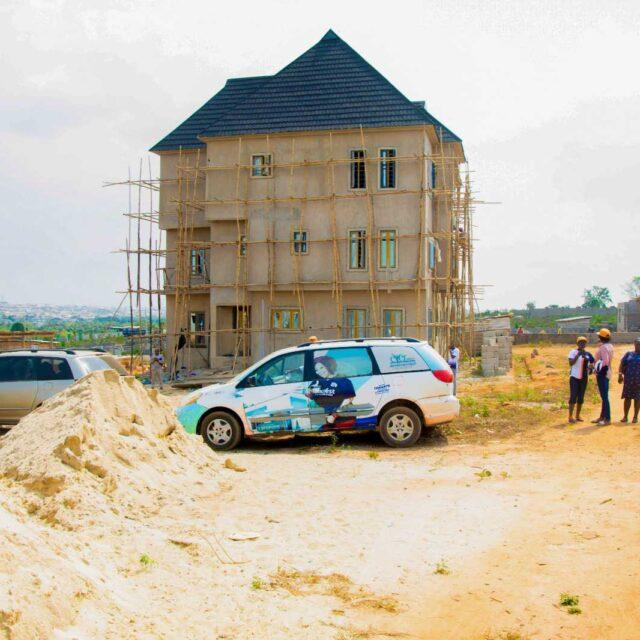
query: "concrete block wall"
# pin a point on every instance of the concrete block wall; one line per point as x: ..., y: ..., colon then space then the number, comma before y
x: 496, y: 350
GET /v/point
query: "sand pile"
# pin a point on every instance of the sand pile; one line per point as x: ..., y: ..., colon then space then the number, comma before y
x: 105, y: 444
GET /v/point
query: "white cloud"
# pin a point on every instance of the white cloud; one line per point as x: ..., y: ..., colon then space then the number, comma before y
x: 544, y: 95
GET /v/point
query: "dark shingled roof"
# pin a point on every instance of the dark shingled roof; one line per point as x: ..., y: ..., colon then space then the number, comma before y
x: 330, y: 86
x: 186, y: 134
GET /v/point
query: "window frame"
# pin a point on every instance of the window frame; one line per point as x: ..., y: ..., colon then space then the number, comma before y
x: 403, y: 321
x: 362, y: 230
x: 395, y: 252
x: 242, y: 246
x: 352, y: 162
x: 197, y: 340
x: 301, y: 242
x: 291, y: 311
x: 432, y: 251
x: 268, y: 165
x: 345, y: 328
x: 390, y: 159
x: 202, y: 253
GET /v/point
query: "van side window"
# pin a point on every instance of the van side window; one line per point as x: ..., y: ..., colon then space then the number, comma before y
x: 284, y: 369
x: 16, y: 369
x: 53, y: 369
x: 398, y: 359
x: 349, y: 362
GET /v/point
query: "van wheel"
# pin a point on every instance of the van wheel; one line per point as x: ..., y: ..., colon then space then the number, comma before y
x: 400, y: 427
x: 221, y: 431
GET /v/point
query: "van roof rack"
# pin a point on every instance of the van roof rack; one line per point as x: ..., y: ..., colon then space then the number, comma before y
x: 396, y: 339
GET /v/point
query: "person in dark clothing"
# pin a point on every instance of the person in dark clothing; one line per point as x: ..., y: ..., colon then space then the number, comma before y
x: 581, y: 362
x: 327, y: 390
x: 629, y: 374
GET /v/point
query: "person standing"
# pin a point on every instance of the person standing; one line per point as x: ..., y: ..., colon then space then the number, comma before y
x: 629, y: 373
x: 453, y: 361
x: 157, y: 369
x: 604, y: 358
x: 581, y: 362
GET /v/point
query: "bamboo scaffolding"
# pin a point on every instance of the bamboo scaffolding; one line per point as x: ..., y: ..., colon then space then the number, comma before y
x: 445, y: 296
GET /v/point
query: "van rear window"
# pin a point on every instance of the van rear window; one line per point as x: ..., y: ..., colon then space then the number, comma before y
x: 399, y: 359
x: 88, y: 364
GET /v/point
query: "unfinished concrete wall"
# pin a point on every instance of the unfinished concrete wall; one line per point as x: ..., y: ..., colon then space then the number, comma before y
x: 496, y: 345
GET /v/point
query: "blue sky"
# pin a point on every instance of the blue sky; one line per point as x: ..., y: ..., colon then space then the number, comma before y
x: 544, y: 94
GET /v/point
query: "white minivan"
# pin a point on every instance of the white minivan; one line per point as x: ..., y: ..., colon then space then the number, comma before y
x: 392, y: 385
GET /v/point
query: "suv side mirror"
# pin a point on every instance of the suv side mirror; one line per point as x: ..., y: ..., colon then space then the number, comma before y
x: 251, y: 381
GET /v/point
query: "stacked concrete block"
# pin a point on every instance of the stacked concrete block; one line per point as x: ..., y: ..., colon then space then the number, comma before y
x: 496, y: 351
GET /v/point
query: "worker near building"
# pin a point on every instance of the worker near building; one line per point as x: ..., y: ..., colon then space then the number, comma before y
x: 157, y: 369
x: 581, y: 363
x: 604, y: 358
x: 454, y: 361
x: 629, y: 374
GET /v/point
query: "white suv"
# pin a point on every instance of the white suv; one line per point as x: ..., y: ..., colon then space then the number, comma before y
x: 29, y: 377
x: 393, y: 385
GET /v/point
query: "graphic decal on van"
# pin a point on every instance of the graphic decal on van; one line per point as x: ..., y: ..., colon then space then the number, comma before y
x: 340, y: 396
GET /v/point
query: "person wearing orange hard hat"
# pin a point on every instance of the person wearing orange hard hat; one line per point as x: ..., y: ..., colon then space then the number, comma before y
x: 604, y: 358
x: 581, y: 362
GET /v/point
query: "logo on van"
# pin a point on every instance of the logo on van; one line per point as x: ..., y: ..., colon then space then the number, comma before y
x: 401, y: 360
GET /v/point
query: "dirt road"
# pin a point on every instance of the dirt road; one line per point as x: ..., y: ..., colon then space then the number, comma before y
x: 559, y: 513
x: 474, y: 534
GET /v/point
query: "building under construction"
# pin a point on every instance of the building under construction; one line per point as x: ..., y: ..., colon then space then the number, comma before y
x: 319, y: 200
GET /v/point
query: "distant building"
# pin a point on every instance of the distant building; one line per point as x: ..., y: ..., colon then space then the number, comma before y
x: 577, y: 324
x: 629, y: 316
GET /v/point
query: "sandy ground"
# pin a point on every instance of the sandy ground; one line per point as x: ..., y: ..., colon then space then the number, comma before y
x: 346, y: 539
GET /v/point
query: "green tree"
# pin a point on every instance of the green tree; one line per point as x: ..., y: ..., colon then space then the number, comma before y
x: 596, y: 298
x: 17, y: 326
x: 531, y: 306
x: 632, y: 288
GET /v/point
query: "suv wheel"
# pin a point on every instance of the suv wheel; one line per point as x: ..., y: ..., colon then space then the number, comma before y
x: 221, y: 431
x: 400, y: 427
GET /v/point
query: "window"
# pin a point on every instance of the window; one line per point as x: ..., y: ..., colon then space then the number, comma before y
x: 241, y: 318
x: 432, y: 253
x: 387, y: 169
x: 434, y: 174
x: 349, y: 362
x: 358, y: 249
x: 358, y: 178
x: 392, y: 322
x: 261, y: 165
x: 197, y: 328
x: 387, y: 249
x: 300, y: 242
x: 53, y: 369
x: 398, y: 359
x: 242, y: 246
x: 17, y: 369
x: 198, y: 257
x: 355, y: 323
x: 286, y: 319
x: 281, y: 370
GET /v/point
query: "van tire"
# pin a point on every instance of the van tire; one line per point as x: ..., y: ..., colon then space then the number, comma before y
x: 221, y: 430
x: 400, y: 427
